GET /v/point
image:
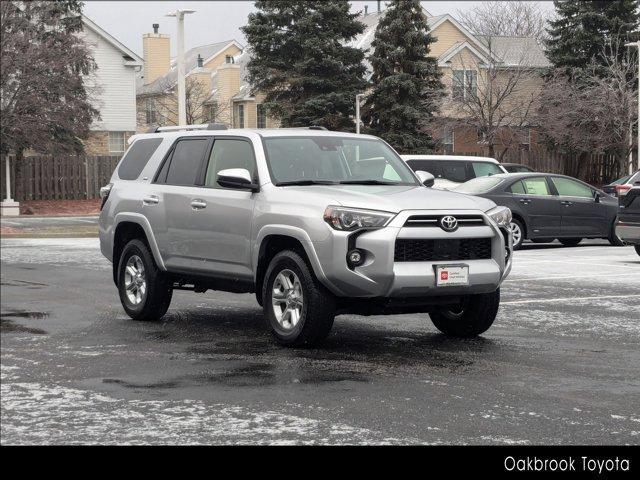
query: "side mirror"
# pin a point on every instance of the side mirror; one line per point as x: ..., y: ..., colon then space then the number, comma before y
x: 426, y: 178
x: 238, y: 178
x: 596, y: 197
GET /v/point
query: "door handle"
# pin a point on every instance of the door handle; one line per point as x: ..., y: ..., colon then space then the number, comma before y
x: 566, y: 203
x: 198, y: 204
x: 150, y: 200
x: 525, y: 201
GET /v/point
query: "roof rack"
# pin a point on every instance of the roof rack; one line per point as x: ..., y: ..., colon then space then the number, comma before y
x: 177, y: 128
x: 312, y: 127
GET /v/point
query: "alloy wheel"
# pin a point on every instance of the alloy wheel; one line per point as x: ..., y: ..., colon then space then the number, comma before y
x: 287, y: 299
x: 135, y: 280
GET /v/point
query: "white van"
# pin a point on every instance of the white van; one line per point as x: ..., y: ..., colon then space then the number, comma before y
x: 451, y: 170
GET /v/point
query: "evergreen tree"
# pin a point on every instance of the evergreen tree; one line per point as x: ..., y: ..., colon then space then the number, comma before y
x: 583, y: 28
x: 301, y: 61
x: 406, y: 81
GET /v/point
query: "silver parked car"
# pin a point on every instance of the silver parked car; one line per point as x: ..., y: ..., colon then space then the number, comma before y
x: 315, y: 223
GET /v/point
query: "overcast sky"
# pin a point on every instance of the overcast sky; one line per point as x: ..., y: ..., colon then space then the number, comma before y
x: 214, y: 21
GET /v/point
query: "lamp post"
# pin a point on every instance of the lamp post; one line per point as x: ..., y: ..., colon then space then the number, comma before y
x: 182, y: 100
x: 635, y: 44
x: 359, y: 98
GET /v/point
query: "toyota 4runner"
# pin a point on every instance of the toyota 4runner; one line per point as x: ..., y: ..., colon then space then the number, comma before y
x: 315, y: 223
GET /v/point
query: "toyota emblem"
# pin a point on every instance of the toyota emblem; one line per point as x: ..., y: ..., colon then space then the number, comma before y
x: 449, y: 223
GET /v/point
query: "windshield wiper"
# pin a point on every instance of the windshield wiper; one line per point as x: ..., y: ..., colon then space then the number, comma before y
x: 305, y: 182
x: 367, y: 182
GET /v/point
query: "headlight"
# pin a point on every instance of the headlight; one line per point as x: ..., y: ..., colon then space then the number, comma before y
x: 500, y: 215
x: 351, y: 219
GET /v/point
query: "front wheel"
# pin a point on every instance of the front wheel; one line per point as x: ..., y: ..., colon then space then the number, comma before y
x: 570, y: 242
x: 300, y: 310
x: 473, y: 316
x: 145, y: 291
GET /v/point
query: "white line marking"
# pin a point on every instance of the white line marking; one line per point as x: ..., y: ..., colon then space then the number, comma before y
x: 560, y: 277
x: 546, y: 300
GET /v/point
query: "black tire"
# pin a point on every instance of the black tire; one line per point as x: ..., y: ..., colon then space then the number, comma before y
x: 570, y: 242
x: 318, y: 304
x: 542, y: 240
x: 521, y: 227
x: 637, y: 247
x: 156, y: 299
x: 613, y: 238
x: 473, y: 317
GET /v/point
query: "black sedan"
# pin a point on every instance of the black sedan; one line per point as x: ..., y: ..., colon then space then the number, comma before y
x: 548, y: 206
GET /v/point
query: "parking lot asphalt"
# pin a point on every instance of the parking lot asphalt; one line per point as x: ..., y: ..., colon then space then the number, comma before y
x: 561, y: 365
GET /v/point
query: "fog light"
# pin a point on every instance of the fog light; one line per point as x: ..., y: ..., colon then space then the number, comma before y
x: 355, y: 258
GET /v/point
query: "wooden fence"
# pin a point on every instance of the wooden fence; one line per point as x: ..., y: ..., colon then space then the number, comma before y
x: 69, y: 177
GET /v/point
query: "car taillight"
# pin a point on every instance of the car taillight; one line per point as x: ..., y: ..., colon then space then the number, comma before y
x: 104, y: 194
x: 622, y: 189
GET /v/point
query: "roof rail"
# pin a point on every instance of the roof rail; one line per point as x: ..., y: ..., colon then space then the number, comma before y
x: 177, y: 128
x: 312, y: 127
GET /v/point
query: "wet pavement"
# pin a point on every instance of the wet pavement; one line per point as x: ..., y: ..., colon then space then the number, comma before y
x: 560, y: 365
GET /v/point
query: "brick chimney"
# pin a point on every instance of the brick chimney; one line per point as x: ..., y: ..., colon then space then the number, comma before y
x: 156, y: 50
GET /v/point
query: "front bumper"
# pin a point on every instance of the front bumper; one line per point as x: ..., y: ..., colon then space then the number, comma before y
x: 628, y: 232
x: 382, y: 276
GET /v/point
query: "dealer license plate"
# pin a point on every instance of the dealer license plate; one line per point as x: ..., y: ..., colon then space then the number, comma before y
x: 448, y: 275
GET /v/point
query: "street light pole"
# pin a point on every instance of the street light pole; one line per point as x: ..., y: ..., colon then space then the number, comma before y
x: 182, y: 97
x: 635, y: 44
x: 359, y: 97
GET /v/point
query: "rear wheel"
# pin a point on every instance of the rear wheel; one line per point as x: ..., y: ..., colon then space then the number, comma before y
x: 570, y: 242
x: 145, y: 291
x: 517, y: 230
x: 300, y: 310
x: 472, y: 317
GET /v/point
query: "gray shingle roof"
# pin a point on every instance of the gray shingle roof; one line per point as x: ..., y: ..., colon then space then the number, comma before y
x: 525, y: 51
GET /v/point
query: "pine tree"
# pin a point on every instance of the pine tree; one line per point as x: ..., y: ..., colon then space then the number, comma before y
x: 406, y: 81
x: 301, y: 61
x: 583, y: 28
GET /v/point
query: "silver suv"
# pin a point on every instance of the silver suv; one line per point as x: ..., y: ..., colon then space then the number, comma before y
x: 316, y: 223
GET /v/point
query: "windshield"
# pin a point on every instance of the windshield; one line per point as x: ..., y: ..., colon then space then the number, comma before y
x: 334, y: 160
x: 479, y: 185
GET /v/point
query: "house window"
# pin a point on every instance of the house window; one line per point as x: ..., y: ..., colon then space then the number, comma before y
x: 150, y: 110
x: 210, y: 112
x: 240, y: 116
x: 262, y: 116
x: 116, y: 142
x: 448, y: 139
x: 464, y: 84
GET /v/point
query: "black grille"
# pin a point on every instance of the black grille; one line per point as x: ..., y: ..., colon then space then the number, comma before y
x: 423, y: 250
x: 433, y: 220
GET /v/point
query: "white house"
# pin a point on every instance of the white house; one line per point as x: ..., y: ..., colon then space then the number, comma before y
x: 113, y: 86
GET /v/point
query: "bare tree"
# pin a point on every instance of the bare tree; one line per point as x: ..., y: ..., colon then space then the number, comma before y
x: 45, y: 102
x: 522, y: 19
x: 598, y: 112
x: 496, y: 98
x: 200, y: 106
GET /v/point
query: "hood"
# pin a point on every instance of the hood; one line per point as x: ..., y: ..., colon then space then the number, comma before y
x: 391, y: 198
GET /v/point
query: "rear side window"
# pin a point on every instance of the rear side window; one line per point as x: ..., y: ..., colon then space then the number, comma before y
x: 137, y: 157
x: 484, y: 169
x: 455, y: 171
x: 425, y: 166
x: 185, y: 162
x: 536, y: 186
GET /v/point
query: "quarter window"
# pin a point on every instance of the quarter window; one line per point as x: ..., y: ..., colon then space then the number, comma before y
x: 137, y: 157
x: 570, y: 188
x: 229, y: 153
